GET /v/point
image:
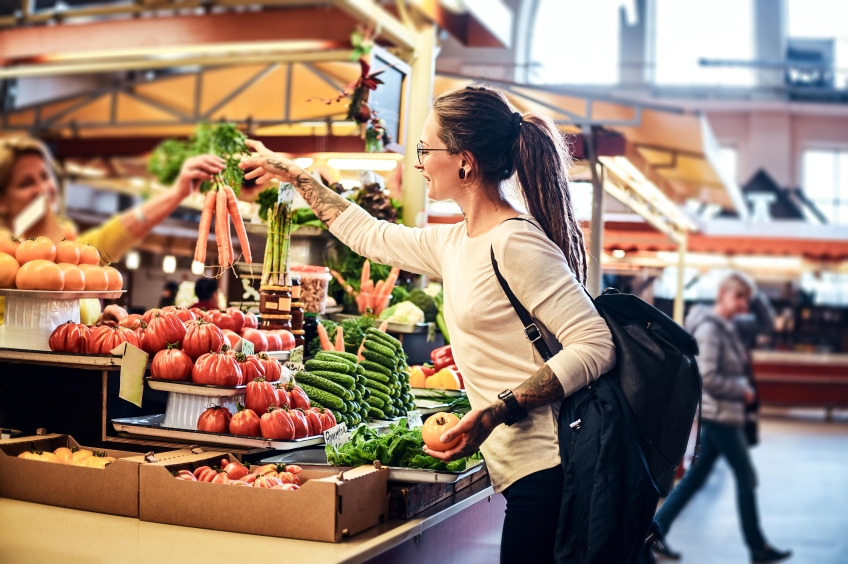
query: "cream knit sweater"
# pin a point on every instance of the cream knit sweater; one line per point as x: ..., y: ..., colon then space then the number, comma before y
x: 489, y: 345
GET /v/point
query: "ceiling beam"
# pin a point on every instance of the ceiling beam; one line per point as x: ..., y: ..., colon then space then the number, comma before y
x: 387, y: 25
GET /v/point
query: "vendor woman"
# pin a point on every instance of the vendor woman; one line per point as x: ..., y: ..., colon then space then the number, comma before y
x: 473, y: 145
x: 27, y: 170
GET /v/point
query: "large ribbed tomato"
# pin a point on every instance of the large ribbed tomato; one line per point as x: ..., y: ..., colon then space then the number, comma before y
x: 148, y: 315
x: 238, y: 318
x: 275, y: 343
x: 184, y: 314
x: 163, y: 328
x: 316, y: 426
x: 276, y: 424
x: 260, y: 395
x: 216, y: 419
x: 202, y: 337
x: 69, y: 337
x: 257, y: 337
x: 245, y: 422
x: 286, y: 339
x: 104, y: 338
x: 301, y: 425
x: 297, y: 397
x: 328, y: 420
x: 285, y: 400
x: 251, y: 367
x: 132, y: 321
x: 171, y: 364
x: 250, y: 321
x: 272, y: 366
x: 217, y: 369
x: 222, y: 319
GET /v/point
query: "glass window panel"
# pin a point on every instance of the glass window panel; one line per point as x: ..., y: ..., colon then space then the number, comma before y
x: 819, y: 177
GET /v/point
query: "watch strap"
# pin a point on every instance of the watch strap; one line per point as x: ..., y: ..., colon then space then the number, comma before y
x: 514, y: 409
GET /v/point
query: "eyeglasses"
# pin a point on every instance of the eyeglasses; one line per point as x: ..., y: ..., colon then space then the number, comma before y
x: 421, y: 149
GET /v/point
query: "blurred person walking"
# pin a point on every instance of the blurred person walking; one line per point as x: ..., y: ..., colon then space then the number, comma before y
x: 725, y: 334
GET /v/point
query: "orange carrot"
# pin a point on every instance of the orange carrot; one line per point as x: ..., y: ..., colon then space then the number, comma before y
x: 229, y: 238
x: 378, y: 288
x: 384, y: 325
x: 340, y: 339
x: 235, y: 214
x: 359, y: 352
x: 205, y: 224
x: 324, y: 339
x: 340, y: 279
x: 390, y: 281
x: 222, y: 231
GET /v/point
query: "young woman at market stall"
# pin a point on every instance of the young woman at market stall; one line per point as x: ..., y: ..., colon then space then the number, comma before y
x: 472, y: 146
x: 27, y: 171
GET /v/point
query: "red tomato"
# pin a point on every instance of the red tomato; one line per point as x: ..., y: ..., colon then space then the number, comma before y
x: 238, y: 317
x: 8, y: 270
x: 250, y: 321
x: 245, y: 422
x: 216, y: 419
x: 259, y: 340
x: 266, y: 482
x: 238, y: 483
x: 314, y: 420
x: 285, y: 400
x: 184, y: 314
x: 8, y: 244
x: 222, y: 319
x: 104, y: 338
x: 328, y: 420
x: 292, y: 469
x: 185, y: 475
x: 286, y: 339
x: 200, y: 470
x: 276, y: 424
x: 88, y: 254
x: 198, y: 312
x: 217, y: 369
x: 163, y: 328
x: 232, y: 338
x: 34, y: 249
x: 437, y: 425
x: 272, y: 366
x: 171, y: 364
x: 148, y: 315
x: 39, y: 274
x: 260, y: 395
x: 249, y: 479
x: 297, y: 397
x: 251, y: 367
x: 70, y: 338
x: 220, y: 478
x: 301, y: 426
x: 274, y: 341
x: 67, y: 251
x: 235, y: 471
x: 132, y: 321
x: 202, y: 337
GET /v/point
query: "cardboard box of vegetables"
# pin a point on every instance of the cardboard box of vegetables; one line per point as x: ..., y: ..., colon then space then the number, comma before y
x: 56, y: 470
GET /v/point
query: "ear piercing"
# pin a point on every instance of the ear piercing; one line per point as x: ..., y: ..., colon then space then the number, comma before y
x: 462, y: 174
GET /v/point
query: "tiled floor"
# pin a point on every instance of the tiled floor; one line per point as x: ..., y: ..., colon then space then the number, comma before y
x: 802, y: 463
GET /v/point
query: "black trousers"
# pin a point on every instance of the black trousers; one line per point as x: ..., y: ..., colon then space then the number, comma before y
x: 532, y: 515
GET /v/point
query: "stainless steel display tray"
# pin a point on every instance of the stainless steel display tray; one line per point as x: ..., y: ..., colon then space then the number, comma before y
x: 430, y: 406
x: 195, y: 389
x: 435, y: 393
x: 62, y: 295
x: 405, y: 328
x: 317, y: 458
x: 151, y: 426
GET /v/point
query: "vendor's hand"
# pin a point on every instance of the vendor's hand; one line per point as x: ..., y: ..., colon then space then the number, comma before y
x: 267, y: 167
x: 113, y: 313
x: 258, y: 147
x: 196, y: 170
x: 475, y: 427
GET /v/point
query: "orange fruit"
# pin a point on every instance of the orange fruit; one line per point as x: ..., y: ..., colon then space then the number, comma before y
x: 8, y: 270
x: 116, y: 280
x: 74, y: 278
x: 40, y: 274
x: 96, y: 279
x: 67, y: 252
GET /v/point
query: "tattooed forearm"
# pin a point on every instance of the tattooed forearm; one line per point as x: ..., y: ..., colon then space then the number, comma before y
x: 540, y: 389
x: 326, y: 204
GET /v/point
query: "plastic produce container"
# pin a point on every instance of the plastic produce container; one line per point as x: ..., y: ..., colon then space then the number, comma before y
x: 184, y: 410
x: 29, y: 322
x: 315, y: 281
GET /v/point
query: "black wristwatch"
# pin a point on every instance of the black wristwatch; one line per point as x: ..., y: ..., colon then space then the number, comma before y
x: 516, y: 412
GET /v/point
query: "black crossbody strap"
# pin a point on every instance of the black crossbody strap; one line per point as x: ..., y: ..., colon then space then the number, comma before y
x: 531, y: 331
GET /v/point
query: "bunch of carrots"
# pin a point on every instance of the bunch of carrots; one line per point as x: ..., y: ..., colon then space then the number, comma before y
x: 373, y: 297
x: 339, y: 345
x: 221, y: 201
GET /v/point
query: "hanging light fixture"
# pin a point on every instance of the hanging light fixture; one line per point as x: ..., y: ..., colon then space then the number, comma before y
x: 197, y: 268
x: 169, y: 264
x: 132, y: 260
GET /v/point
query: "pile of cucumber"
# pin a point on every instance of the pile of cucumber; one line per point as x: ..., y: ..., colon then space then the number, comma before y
x: 386, y: 376
x: 334, y: 381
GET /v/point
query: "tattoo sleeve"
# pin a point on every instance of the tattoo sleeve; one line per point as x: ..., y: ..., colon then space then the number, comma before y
x: 326, y: 204
x: 541, y: 388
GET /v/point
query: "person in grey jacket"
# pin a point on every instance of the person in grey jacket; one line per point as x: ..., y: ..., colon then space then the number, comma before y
x: 725, y: 334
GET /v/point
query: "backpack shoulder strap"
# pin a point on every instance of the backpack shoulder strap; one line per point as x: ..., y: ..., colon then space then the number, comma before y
x: 531, y: 331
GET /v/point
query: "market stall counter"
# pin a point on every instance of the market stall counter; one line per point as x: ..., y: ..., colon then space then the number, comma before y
x: 465, y: 527
x: 795, y: 379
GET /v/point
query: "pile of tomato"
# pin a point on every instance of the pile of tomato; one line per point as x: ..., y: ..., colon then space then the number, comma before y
x: 271, y: 476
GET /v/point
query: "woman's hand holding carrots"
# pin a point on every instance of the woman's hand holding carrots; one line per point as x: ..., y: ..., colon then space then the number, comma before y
x: 196, y: 170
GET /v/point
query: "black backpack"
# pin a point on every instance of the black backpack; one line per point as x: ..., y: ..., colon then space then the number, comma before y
x: 655, y: 368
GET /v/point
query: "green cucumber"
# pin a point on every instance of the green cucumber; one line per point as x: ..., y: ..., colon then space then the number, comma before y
x: 379, y: 348
x: 377, y: 393
x: 373, y: 331
x: 326, y: 399
x: 321, y: 383
x: 367, y: 365
x: 340, y: 366
x: 374, y: 385
x: 342, y: 380
x: 375, y: 402
x: 376, y: 413
x: 376, y: 377
x: 386, y: 361
x: 344, y: 355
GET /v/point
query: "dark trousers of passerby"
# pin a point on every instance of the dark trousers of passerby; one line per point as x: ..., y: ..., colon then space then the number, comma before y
x: 719, y: 440
x: 532, y: 515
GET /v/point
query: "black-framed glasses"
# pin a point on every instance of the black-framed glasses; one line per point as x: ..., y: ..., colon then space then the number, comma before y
x: 422, y: 149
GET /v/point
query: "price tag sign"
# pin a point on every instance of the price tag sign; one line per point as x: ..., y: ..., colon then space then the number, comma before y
x: 413, y: 419
x: 337, y: 436
x: 133, y: 365
x: 30, y: 215
x: 246, y: 346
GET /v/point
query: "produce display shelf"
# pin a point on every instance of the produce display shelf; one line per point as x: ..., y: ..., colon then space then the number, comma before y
x: 195, y: 389
x: 434, y: 393
x: 91, y: 362
x: 61, y: 295
x: 317, y: 458
x: 430, y: 406
x: 151, y: 426
x: 402, y: 328
x: 282, y: 356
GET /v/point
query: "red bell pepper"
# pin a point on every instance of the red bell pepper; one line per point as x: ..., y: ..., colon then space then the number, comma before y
x: 441, y: 351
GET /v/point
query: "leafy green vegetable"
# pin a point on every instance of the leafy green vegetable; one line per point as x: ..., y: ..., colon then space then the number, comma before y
x: 221, y: 139
x: 425, y: 303
x: 400, y: 447
x: 399, y: 294
x: 267, y: 199
x: 354, y: 332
